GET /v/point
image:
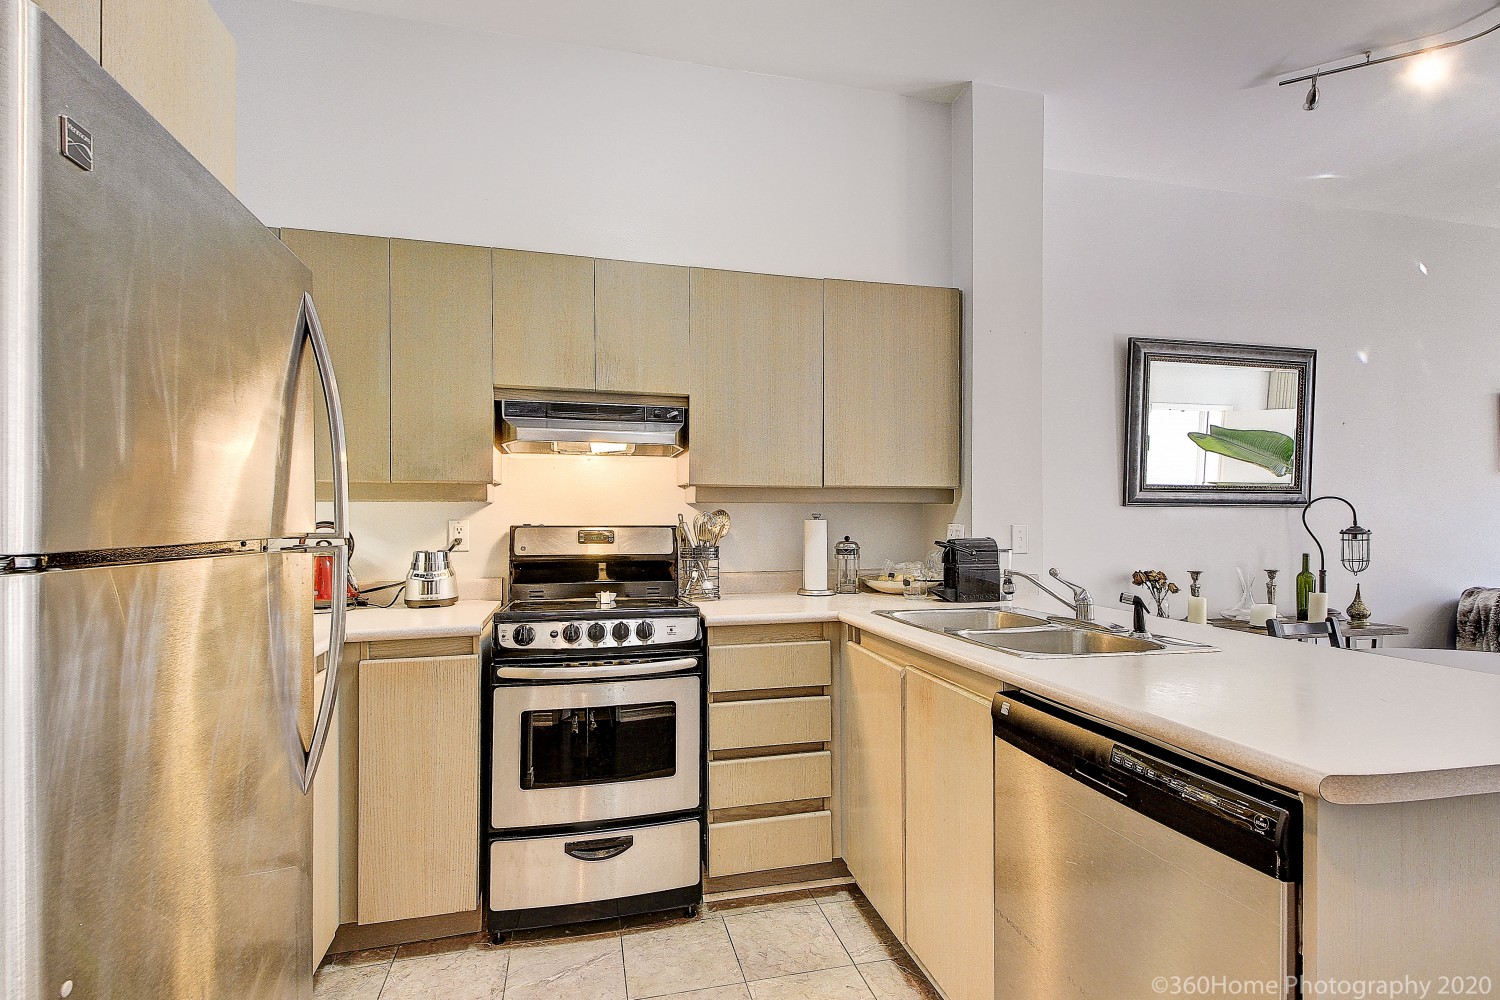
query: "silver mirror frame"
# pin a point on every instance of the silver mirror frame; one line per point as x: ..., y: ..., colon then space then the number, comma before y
x: 1138, y: 393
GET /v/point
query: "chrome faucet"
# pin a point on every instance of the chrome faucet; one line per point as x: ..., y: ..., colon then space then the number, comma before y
x: 1082, y: 605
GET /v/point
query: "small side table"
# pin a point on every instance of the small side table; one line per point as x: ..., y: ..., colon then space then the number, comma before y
x: 1374, y: 633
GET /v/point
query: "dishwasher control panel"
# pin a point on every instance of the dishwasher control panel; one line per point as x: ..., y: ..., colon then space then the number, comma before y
x: 1199, y: 792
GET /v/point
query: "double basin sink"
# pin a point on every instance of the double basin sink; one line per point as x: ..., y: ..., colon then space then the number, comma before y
x: 1036, y: 636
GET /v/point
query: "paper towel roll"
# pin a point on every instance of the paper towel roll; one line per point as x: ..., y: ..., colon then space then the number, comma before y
x: 815, y: 557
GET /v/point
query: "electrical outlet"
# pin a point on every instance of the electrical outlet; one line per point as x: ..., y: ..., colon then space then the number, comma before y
x: 1020, y: 539
x: 955, y: 531
x: 458, y: 536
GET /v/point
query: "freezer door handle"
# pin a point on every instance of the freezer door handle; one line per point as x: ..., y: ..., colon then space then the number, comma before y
x: 312, y: 334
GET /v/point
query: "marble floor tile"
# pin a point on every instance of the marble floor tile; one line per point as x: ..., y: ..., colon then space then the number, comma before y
x: 370, y: 956
x: 739, y: 991
x: 828, y: 984
x: 680, y: 959
x: 474, y: 973
x: 838, y: 894
x: 462, y: 942
x: 349, y: 982
x: 578, y: 969
x: 785, y: 941
x: 766, y: 901
x: 896, y: 981
x: 861, y: 931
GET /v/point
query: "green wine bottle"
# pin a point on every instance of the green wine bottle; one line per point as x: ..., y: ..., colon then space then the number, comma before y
x: 1306, y: 584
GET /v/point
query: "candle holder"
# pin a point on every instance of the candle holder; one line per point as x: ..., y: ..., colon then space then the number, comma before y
x: 1271, y: 586
x: 1195, y: 589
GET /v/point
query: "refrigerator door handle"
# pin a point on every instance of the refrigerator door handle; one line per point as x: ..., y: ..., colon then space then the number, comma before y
x: 312, y: 333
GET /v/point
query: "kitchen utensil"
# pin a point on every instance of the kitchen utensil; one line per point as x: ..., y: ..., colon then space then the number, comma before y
x: 431, y: 583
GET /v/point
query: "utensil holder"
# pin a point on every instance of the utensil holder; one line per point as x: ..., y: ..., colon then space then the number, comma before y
x: 698, y: 572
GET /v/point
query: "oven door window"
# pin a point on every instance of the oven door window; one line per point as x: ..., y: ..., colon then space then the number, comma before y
x: 566, y: 747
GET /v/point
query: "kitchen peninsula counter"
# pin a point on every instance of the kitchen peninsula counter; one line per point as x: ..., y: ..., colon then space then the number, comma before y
x: 1345, y: 726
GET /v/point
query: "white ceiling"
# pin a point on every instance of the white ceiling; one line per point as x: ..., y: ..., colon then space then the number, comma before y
x: 1173, y: 90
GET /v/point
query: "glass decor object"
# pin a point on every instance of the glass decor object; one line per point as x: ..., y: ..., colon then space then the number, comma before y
x: 1306, y: 584
x: 846, y: 564
x: 1241, y: 611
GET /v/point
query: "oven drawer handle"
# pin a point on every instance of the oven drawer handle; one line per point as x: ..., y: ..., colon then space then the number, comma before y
x: 598, y: 850
x: 621, y: 670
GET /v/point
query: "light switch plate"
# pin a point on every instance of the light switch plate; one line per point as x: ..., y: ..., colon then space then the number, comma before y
x: 1020, y: 538
x: 458, y: 531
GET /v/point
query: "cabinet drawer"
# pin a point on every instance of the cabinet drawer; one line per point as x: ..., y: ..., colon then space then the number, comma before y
x: 756, y: 845
x: 540, y: 871
x: 759, y: 780
x: 763, y: 666
x: 770, y: 723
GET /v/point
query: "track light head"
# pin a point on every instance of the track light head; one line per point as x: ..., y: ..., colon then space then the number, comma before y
x: 1311, y: 103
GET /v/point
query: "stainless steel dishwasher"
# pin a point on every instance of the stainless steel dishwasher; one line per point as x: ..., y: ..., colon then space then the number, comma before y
x: 1125, y: 869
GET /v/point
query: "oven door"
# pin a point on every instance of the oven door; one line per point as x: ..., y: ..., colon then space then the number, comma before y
x: 564, y: 754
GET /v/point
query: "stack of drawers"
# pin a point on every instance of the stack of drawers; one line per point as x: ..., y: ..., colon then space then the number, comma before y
x: 770, y: 733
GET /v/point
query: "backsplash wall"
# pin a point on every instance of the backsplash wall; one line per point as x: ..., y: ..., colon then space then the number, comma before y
x: 545, y: 489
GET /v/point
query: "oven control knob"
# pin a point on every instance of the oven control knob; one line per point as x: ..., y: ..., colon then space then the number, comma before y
x: 572, y: 633
x: 644, y: 631
x: 524, y: 635
x: 621, y: 631
x: 596, y: 632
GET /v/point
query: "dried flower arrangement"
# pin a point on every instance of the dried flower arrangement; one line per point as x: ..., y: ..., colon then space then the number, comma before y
x: 1158, y: 586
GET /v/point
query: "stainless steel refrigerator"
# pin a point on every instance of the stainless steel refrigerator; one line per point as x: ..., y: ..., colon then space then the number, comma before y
x: 159, y: 356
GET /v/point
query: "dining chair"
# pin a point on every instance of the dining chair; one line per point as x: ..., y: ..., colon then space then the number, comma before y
x: 1308, y: 632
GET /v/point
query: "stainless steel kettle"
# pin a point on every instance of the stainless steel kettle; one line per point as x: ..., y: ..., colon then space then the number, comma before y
x: 430, y: 582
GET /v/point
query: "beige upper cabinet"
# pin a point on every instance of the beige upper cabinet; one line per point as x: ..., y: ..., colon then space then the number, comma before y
x: 176, y: 58
x: 442, y: 402
x: 641, y: 327
x: 351, y: 289
x: 892, y: 385
x: 756, y: 380
x: 873, y: 793
x: 543, y: 320
x: 79, y: 18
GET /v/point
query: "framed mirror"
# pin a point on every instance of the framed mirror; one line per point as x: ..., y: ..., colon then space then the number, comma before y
x: 1218, y: 424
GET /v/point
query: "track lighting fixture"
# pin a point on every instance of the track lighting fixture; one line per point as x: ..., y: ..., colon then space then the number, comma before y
x: 1430, y: 69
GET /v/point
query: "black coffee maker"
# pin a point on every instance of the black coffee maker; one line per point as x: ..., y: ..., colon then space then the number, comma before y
x: 971, y: 570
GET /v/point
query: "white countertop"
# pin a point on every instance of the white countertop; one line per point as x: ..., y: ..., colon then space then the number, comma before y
x: 1346, y: 726
x: 400, y: 622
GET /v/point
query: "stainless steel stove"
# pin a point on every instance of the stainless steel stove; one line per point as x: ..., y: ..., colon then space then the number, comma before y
x: 595, y: 720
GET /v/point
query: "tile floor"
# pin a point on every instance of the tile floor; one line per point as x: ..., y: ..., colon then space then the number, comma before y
x: 820, y: 944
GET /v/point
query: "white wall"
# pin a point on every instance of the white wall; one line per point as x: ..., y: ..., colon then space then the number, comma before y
x: 997, y: 261
x: 1408, y: 376
x: 363, y: 124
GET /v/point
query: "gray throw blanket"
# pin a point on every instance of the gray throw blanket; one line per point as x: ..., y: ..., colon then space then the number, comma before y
x: 1479, y: 619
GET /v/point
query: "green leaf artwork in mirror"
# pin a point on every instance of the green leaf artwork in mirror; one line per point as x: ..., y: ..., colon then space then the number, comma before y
x: 1270, y: 450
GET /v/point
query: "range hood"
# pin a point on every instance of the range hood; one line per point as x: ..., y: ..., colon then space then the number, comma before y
x: 566, y: 427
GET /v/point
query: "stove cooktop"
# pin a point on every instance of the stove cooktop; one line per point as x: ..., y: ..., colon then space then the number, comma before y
x: 625, y: 606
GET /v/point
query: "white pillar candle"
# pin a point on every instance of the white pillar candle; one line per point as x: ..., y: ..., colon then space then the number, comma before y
x: 1198, y: 610
x: 1317, y: 607
x: 1261, y: 613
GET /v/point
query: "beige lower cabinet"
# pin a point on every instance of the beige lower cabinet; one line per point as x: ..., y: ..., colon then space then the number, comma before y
x: 418, y: 853
x: 874, y: 802
x: 325, y: 837
x: 950, y: 836
x: 771, y: 767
